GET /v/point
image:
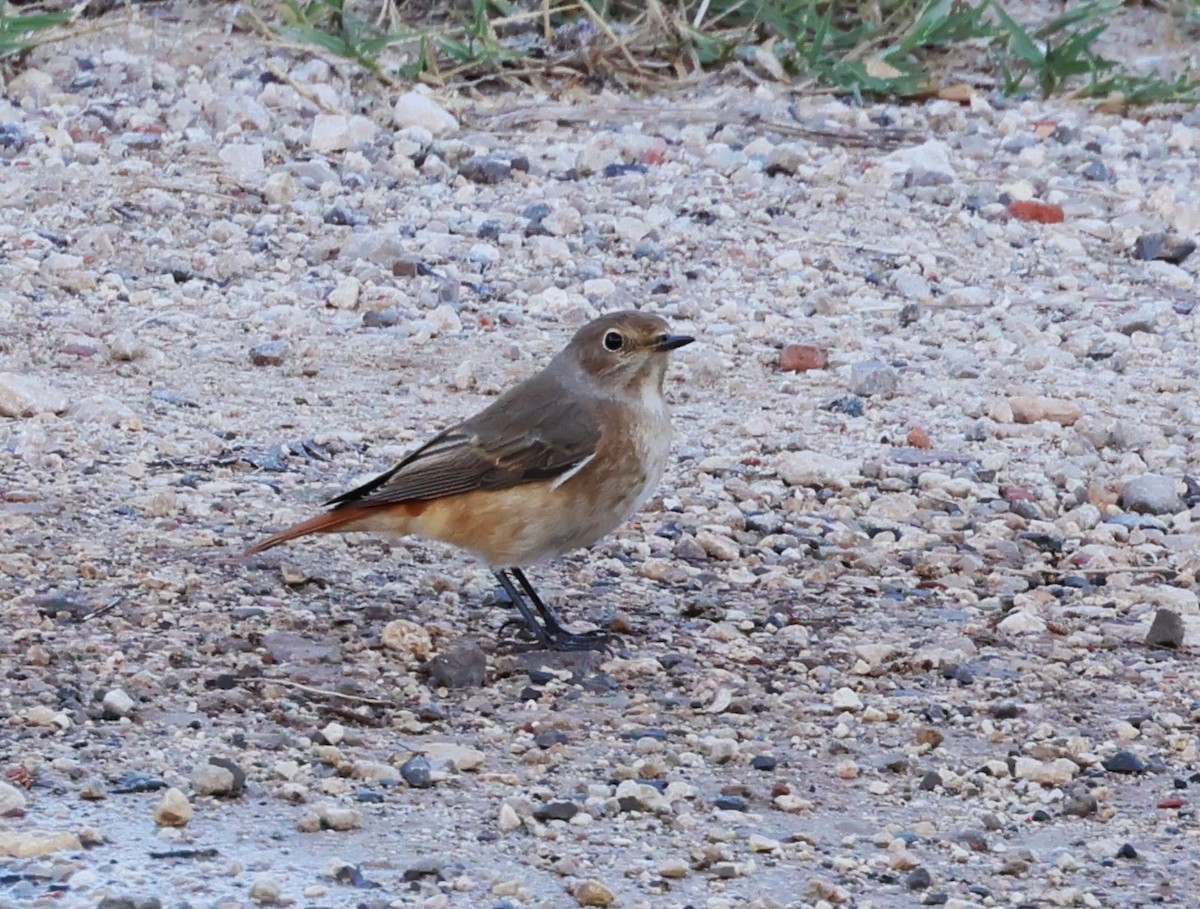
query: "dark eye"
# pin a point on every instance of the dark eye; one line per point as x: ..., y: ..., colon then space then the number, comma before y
x: 613, y: 340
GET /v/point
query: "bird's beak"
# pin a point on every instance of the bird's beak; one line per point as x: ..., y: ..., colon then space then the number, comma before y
x: 672, y: 342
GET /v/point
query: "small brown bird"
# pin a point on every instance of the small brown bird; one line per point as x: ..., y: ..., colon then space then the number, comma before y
x: 552, y: 465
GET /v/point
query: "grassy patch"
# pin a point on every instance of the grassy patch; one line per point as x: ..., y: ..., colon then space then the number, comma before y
x: 20, y: 32
x: 876, y: 48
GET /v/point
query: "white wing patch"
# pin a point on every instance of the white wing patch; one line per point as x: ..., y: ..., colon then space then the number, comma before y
x: 562, y: 478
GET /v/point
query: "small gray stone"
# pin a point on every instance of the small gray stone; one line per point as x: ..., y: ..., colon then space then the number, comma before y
x: 911, y: 286
x: 381, y: 318
x: 873, y: 377
x: 1142, y: 320
x: 1151, y: 493
x: 485, y: 169
x: 462, y: 665
x: 269, y: 353
x: 562, y: 810
x: 918, y: 879
x: 1166, y: 630
x: 1125, y: 762
x: 1081, y: 804
x: 648, y: 249
x: 1163, y: 247
x: 785, y: 159
x: 416, y: 772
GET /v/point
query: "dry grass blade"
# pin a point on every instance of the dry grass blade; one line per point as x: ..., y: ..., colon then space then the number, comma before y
x: 320, y: 692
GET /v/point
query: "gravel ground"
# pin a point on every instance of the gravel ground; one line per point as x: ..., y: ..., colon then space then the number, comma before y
x: 912, y: 621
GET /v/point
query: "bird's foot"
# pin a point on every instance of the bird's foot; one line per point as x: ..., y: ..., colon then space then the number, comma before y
x: 555, y: 638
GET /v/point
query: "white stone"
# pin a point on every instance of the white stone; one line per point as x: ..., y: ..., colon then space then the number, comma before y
x: 12, y: 799
x: 345, y: 295
x: 847, y: 699
x: 117, y: 703
x: 244, y: 160
x: 25, y: 396
x: 932, y: 156
x: 173, y: 810
x: 448, y: 754
x: 279, y: 188
x: 416, y: 108
x: 445, y: 321
x: 813, y: 469
x: 1020, y: 621
x: 336, y: 132
x: 509, y: 819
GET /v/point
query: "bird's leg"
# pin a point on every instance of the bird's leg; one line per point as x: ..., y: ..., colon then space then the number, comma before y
x: 560, y: 638
x: 540, y: 634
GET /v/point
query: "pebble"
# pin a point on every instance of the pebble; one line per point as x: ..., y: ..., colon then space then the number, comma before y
x: 918, y: 879
x: 873, y: 378
x: 1151, y: 494
x: 1021, y: 621
x: 25, y: 396
x: 486, y: 169
x: 173, y: 809
x: 1034, y: 409
x: 760, y: 843
x: 673, y: 869
x: 117, y: 704
x: 1167, y: 630
x: 208, y: 779
x: 717, y: 546
x: 803, y: 357
x: 333, y: 817
x: 270, y: 353
x: 266, y: 892
x: 417, y: 772
x: 847, y: 699
x: 407, y: 638
x: 336, y: 132
x: 459, y: 757
x: 815, y: 469
x: 416, y: 108
x: 463, y: 664
x: 508, y: 819
x: 592, y: 892
x: 345, y: 294
x: 31, y: 843
x: 1125, y: 762
x: 12, y: 800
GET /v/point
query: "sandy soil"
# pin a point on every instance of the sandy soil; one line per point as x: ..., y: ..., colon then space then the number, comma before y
x: 882, y: 631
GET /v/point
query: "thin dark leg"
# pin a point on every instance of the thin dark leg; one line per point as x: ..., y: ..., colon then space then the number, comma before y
x: 540, y: 634
x: 560, y: 638
x: 551, y: 620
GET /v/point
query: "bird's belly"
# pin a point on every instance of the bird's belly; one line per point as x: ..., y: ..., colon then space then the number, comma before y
x: 533, y: 522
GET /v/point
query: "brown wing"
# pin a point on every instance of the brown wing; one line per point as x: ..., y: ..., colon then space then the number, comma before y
x: 521, y: 438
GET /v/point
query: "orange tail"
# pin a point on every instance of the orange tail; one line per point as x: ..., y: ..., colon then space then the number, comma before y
x: 329, y: 522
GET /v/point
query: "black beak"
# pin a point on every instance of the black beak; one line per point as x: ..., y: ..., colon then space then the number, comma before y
x: 673, y: 342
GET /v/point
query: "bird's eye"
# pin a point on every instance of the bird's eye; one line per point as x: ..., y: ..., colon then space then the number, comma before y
x: 613, y: 340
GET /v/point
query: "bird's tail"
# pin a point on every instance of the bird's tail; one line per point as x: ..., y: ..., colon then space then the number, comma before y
x: 329, y: 522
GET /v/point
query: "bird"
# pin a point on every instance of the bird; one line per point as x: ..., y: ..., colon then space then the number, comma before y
x: 554, y: 464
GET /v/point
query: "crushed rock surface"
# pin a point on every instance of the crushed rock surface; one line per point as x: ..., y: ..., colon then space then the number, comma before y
x: 884, y: 629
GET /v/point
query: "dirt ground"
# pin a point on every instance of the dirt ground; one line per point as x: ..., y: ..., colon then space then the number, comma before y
x: 882, y: 633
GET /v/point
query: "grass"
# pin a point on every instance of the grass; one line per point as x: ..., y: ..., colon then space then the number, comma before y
x: 872, y: 48
x: 895, y: 49
x: 20, y: 32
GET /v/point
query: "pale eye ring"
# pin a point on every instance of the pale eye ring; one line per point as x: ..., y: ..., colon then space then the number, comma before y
x: 613, y: 341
